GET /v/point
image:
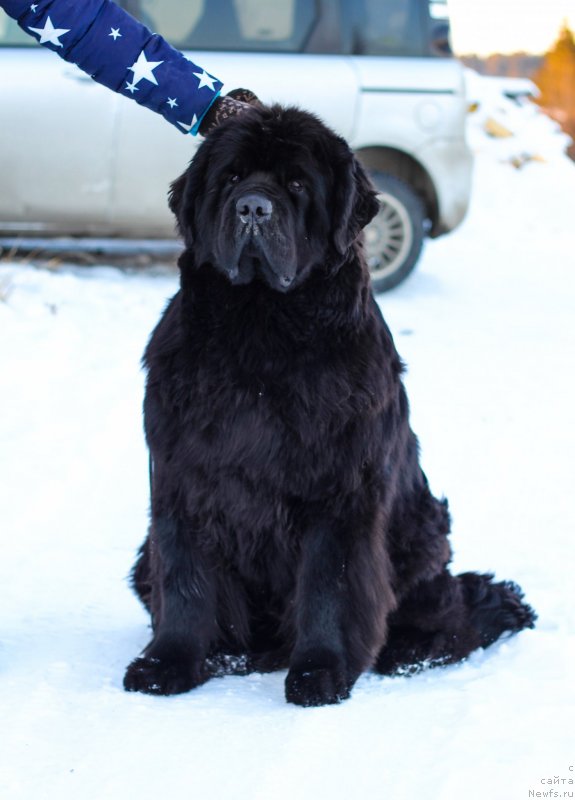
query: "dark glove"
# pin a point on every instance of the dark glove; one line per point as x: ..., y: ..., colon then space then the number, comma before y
x: 238, y: 101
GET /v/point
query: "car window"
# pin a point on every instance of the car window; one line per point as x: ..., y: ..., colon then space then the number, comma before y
x: 439, y: 28
x: 388, y: 27
x: 11, y: 35
x: 229, y: 24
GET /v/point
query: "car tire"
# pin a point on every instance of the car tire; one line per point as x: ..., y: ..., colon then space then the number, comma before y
x: 394, y: 238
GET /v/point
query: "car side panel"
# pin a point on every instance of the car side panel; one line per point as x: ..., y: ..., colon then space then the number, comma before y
x: 56, y: 143
x: 417, y: 106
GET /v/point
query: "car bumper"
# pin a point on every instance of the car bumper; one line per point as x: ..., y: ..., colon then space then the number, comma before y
x: 450, y: 165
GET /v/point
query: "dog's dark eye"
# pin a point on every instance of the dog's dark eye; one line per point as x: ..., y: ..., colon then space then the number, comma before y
x: 234, y: 179
x: 295, y: 186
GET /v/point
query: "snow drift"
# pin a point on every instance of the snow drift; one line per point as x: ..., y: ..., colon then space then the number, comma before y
x: 492, y: 305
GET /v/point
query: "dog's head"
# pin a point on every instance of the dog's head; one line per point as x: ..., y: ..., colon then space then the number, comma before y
x: 271, y: 196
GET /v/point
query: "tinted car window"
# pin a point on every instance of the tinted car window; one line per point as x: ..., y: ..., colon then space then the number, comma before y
x: 388, y: 27
x: 439, y: 28
x: 236, y: 25
x: 361, y: 27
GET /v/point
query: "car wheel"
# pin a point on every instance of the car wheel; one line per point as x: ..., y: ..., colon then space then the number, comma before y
x: 394, y: 238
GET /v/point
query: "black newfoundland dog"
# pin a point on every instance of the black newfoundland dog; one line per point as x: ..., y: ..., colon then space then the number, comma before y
x: 291, y: 524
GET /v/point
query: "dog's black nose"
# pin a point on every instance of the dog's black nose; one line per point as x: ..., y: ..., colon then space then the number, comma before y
x: 254, y: 207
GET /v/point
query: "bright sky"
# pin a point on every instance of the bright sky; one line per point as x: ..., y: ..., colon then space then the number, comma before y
x: 506, y: 26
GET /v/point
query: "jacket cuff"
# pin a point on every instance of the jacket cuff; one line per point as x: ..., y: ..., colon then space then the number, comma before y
x: 196, y: 127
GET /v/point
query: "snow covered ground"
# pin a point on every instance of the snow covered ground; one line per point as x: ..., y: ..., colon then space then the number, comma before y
x: 493, y: 307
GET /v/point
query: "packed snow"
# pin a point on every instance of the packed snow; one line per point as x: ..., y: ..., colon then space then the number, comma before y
x: 486, y: 328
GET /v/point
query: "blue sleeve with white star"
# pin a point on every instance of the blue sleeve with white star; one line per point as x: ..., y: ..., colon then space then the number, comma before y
x: 122, y: 54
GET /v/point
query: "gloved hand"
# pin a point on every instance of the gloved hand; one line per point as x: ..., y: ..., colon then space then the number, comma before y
x: 238, y: 101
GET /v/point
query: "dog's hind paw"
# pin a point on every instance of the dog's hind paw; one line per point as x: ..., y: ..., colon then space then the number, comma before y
x: 496, y: 608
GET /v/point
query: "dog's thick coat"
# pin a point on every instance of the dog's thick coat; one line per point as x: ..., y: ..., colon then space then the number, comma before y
x: 292, y: 525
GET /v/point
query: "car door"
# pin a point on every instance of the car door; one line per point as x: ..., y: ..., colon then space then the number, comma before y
x: 56, y: 139
x: 256, y: 44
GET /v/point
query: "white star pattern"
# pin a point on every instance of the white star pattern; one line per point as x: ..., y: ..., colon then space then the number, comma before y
x: 189, y: 127
x: 49, y: 33
x: 131, y: 87
x: 144, y: 69
x: 115, y: 33
x: 205, y: 80
x: 33, y: 7
x: 172, y: 101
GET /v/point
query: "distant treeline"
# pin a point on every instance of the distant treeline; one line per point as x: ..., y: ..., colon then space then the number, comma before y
x: 516, y: 65
x: 553, y: 73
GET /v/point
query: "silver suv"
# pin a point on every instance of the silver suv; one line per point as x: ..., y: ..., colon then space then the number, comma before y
x: 77, y: 159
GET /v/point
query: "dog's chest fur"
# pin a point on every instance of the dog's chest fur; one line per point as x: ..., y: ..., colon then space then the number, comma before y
x: 258, y: 418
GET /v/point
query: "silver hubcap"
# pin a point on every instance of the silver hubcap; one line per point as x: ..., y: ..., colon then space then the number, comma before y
x: 388, y: 237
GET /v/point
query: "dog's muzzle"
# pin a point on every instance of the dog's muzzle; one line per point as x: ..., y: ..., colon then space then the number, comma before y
x: 255, y: 213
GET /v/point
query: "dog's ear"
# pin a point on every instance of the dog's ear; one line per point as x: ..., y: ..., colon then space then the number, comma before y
x: 185, y: 190
x: 355, y: 203
x: 176, y: 202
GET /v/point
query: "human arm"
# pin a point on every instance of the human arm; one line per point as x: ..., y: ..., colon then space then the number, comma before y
x: 122, y: 54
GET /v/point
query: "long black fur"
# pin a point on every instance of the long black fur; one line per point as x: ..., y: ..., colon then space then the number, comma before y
x: 291, y: 523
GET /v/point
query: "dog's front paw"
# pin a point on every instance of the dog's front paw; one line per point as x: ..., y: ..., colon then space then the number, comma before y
x: 317, y: 687
x: 162, y: 675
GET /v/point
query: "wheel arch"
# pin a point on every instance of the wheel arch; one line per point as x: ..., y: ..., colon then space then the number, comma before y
x: 403, y: 166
